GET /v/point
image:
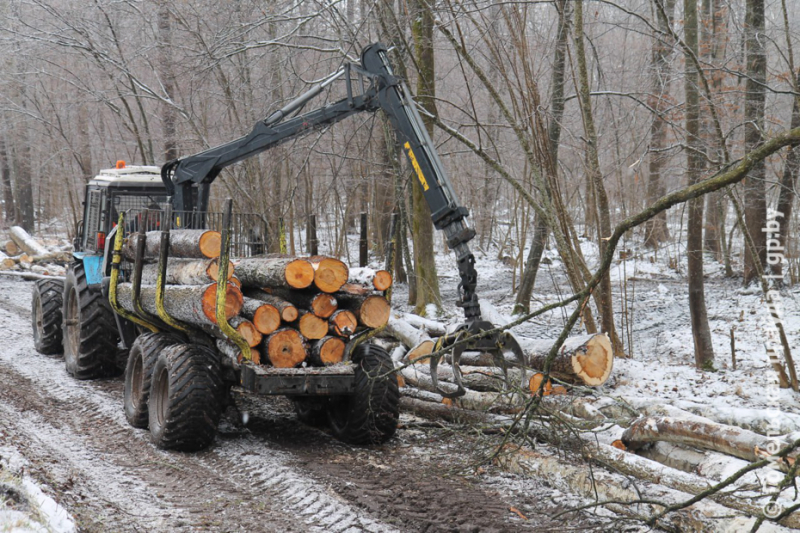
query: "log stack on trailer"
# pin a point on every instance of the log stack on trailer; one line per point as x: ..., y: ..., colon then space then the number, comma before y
x: 292, y: 311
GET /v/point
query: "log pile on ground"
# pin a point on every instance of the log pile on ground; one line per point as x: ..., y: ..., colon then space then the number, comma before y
x: 26, y: 256
x: 290, y: 310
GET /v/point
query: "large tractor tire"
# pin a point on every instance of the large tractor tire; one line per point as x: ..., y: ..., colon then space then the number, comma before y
x: 370, y: 414
x: 90, y: 333
x: 142, y: 359
x: 311, y: 411
x: 186, y: 392
x: 46, y: 308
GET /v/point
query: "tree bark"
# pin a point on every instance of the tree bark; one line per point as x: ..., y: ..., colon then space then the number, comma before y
x: 321, y: 304
x: 194, y: 304
x: 703, y: 348
x: 427, y: 280
x: 25, y: 242
x: 755, y: 97
x: 185, y: 272
x: 596, y: 178
x: 656, y: 230
x: 788, y: 187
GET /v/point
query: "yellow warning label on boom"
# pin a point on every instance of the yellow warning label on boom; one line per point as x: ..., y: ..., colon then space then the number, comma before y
x: 418, y: 170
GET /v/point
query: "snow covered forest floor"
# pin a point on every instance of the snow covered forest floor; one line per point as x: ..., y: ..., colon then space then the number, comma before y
x: 68, y: 458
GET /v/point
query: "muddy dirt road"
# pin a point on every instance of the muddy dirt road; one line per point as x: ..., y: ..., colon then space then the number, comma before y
x: 272, y: 474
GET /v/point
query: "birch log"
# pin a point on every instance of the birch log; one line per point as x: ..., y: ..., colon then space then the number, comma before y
x: 25, y: 242
x: 194, y: 304
x: 277, y: 272
x: 185, y: 243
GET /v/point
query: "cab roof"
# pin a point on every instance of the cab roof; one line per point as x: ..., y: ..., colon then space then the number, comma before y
x: 130, y: 176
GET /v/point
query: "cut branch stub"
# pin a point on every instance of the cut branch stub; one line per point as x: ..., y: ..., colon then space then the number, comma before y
x: 275, y: 272
x: 327, y: 351
x: 286, y: 348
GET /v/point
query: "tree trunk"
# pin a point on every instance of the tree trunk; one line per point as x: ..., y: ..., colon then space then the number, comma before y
x: 703, y: 348
x: 9, y: 209
x: 321, y: 304
x: 380, y: 280
x: 427, y: 280
x: 787, y: 192
x: 755, y: 211
x: 167, y: 78
x: 27, y: 243
x: 596, y: 178
x: 329, y: 273
x: 656, y: 230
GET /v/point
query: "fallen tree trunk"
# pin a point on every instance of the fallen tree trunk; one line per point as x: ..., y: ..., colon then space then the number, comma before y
x: 343, y: 323
x: 12, y: 248
x: 274, y: 272
x: 185, y: 272
x: 326, y: 351
x: 287, y: 311
x: 6, y: 262
x: 371, y: 311
x: 285, y: 348
x: 265, y: 317
x: 194, y: 304
x: 380, y: 280
x: 409, y: 336
x: 185, y: 243
x: 25, y: 242
x: 329, y: 273
x: 707, y: 435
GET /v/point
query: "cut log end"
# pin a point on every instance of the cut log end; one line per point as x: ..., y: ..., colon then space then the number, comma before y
x: 382, y: 280
x: 299, y: 274
x: 312, y: 327
x: 286, y: 348
x: 329, y: 351
x: 213, y: 270
x: 255, y: 357
x: 374, y: 312
x: 418, y: 353
x: 248, y: 331
x: 324, y: 305
x: 330, y: 274
x: 233, y: 302
x: 210, y: 242
x: 267, y: 319
x: 343, y: 323
x: 594, y: 366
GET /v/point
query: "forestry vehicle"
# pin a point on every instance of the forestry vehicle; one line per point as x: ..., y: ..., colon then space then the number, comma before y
x: 176, y: 378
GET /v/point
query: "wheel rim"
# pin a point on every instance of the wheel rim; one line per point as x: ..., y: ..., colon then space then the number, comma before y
x: 161, y: 393
x: 73, y: 324
x: 38, y: 319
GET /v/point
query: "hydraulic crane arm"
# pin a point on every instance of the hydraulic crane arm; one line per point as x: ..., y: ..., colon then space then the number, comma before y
x: 375, y: 87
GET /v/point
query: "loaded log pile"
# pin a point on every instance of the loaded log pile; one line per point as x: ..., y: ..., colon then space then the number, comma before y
x: 292, y: 311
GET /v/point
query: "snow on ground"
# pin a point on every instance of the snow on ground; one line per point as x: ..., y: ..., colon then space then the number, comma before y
x: 24, y: 506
